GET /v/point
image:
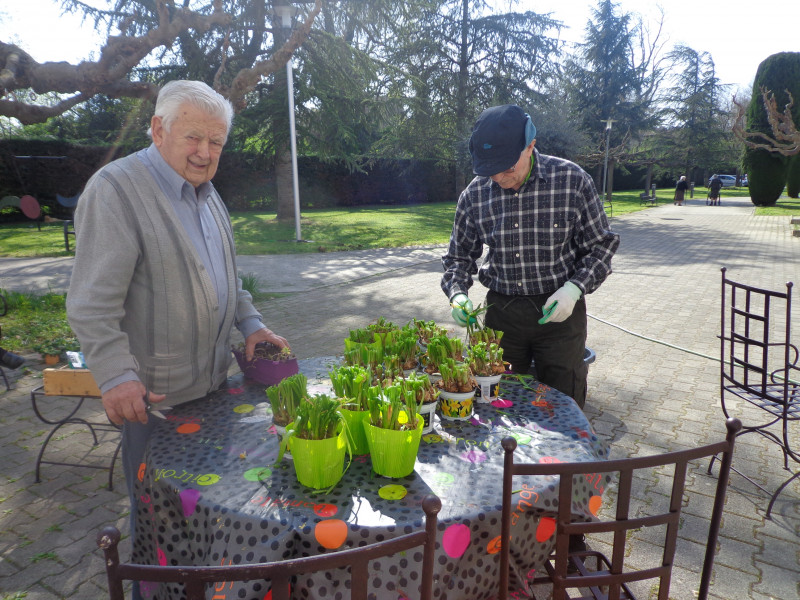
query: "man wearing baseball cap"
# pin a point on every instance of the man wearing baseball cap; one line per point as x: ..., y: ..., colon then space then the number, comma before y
x: 549, y: 245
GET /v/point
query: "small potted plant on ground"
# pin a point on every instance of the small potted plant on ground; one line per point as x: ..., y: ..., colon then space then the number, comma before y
x: 487, y: 365
x: 394, y: 429
x: 52, y: 348
x: 352, y: 384
x: 284, y: 398
x: 457, y: 390
x: 270, y: 363
x: 318, y: 441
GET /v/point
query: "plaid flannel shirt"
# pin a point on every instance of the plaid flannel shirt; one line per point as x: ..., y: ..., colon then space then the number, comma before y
x: 550, y: 231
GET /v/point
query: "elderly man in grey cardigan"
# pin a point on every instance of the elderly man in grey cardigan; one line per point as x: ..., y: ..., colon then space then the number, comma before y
x: 154, y: 293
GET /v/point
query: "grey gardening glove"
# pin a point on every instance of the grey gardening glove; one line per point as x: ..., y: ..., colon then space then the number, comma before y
x: 462, y: 305
x: 560, y: 305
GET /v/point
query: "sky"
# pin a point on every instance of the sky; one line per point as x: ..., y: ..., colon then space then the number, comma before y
x: 737, y: 36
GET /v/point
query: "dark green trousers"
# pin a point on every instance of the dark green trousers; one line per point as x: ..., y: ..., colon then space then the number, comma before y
x: 557, y: 349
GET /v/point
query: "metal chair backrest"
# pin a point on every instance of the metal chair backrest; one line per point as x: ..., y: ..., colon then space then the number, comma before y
x: 759, y: 370
x: 617, y: 573
x: 755, y: 340
x: 197, y: 578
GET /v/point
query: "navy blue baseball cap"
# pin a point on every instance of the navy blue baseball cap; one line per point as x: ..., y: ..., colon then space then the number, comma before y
x: 498, y: 138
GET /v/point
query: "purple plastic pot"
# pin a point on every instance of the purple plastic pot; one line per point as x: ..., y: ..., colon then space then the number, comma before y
x: 268, y: 372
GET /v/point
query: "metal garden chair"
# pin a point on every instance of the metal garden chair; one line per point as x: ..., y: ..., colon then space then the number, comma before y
x: 591, y: 571
x: 198, y: 578
x: 759, y: 374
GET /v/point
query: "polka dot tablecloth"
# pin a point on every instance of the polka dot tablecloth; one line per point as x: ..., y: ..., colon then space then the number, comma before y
x: 210, y: 493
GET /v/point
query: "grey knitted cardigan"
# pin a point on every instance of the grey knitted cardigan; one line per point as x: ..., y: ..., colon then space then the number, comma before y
x: 140, y: 298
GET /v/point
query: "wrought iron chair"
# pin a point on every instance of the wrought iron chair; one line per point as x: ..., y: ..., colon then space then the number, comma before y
x: 591, y: 570
x: 760, y: 377
x: 197, y: 578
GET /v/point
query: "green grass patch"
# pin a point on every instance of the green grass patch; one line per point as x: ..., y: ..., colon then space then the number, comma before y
x: 44, y: 556
x: 33, y: 319
x: 324, y: 230
x: 331, y: 230
x: 785, y: 206
x: 24, y: 239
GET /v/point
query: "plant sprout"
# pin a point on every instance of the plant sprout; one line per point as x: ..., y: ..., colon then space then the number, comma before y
x: 352, y: 383
x: 286, y: 396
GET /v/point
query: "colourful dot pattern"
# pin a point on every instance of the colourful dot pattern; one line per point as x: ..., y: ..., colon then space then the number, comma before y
x: 216, y: 495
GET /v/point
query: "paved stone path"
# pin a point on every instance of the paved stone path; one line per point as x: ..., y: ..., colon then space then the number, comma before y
x: 644, y: 396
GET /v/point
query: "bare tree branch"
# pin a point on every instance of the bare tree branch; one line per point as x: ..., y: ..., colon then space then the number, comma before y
x: 119, y: 56
x: 247, y: 79
x: 785, y: 137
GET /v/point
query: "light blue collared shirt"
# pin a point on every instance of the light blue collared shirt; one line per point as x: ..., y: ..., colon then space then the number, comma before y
x: 194, y: 214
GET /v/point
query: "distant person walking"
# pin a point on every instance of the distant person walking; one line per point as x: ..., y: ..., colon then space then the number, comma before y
x: 680, y: 190
x: 714, y: 186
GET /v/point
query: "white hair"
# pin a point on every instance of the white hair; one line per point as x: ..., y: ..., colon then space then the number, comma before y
x: 198, y: 94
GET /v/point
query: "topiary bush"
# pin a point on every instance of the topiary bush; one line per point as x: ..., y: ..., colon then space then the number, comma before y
x: 793, y: 177
x: 767, y: 171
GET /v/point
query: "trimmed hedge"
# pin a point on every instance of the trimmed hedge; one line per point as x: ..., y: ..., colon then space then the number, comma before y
x: 767, y: 172
x: 793, y: 177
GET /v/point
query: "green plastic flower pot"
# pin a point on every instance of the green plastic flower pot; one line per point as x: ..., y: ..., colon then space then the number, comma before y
x: 319, y: 464
x: 355, y: 430
x: 393, y: 453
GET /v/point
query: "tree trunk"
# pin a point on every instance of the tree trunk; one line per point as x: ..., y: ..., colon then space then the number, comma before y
x: 461, y: 96
x: 598, y: 178
x: 610, y: 185
x: 283, y: 151
x: 284, y: 183
x: 649, y: 178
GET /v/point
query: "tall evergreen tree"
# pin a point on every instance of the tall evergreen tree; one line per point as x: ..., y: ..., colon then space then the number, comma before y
x: 603, y: 80
x: 613, y: 75
x: 694, y: 113
x: 459, y: 59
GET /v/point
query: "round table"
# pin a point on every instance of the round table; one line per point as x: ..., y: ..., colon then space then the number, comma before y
x: 210, y: 492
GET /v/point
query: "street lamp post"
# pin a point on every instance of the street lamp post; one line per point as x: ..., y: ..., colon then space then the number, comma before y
x: 285, y: 13
x: 608, y: 123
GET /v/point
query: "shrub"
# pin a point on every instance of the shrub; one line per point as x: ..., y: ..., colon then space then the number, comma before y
x: 767, y: 174
x: 767, y: 171
x: 793, y: 177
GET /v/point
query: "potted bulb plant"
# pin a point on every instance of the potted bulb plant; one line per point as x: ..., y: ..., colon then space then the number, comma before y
x: 352, y: 384
x: 457, y: 390
x: 427, y: 396
x: 318, y: 440
x: 427, y: 330
x: 477, y: 330
x: 368, y: 355
x: 487, y: 365
x: 405, y: 347
x: 440, y: 349
x: 394, y: 428
x: 284, y: 398
x: 270, y: 363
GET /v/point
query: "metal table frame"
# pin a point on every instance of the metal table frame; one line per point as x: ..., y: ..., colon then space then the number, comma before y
x: 71, y: 419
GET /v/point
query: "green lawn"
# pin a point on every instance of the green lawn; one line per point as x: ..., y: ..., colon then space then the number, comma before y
x: 335, y: 229
x: 784, y: 206
x: 32, y: 319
